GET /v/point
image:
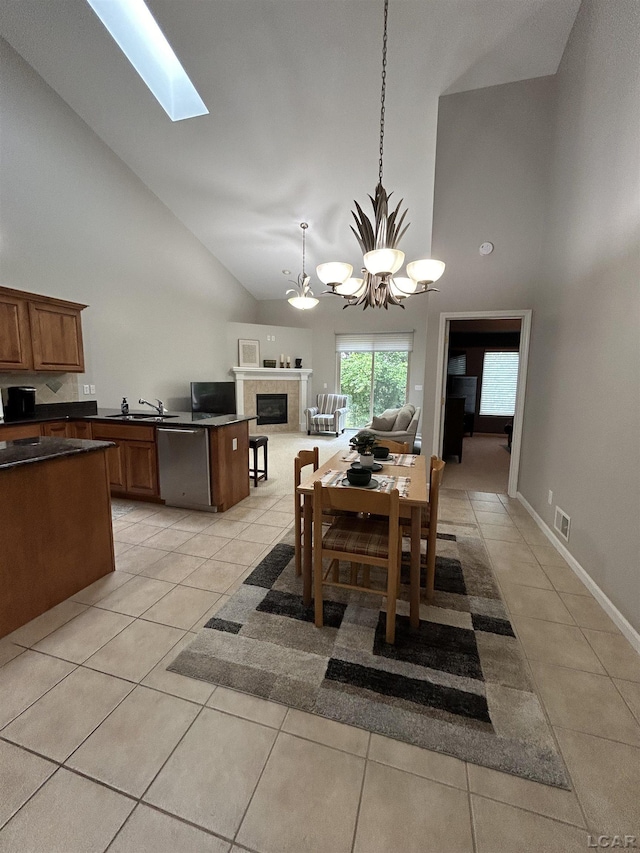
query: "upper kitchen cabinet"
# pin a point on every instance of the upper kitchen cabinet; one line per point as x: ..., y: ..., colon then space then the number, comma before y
x: 40, y: 333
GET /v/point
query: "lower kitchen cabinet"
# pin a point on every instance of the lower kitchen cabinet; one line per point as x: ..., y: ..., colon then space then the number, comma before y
x: 62, y: 429
x: 11, y: 433
x: 80, y: 429
x: 133, y: 462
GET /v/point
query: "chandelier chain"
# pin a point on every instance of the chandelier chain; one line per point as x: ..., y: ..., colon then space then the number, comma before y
x: 304, y: 227
x: 384, y: 88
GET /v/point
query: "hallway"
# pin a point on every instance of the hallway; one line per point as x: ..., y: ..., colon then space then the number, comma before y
x: 484, y: 466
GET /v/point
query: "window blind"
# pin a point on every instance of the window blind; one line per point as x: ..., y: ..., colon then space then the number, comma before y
x: 457, y: 365
x: 499, y: 383
x: 375, y: 342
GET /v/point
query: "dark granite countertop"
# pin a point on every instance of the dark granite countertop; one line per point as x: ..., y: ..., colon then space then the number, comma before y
x: 176, y: 419
x: 25, y: 450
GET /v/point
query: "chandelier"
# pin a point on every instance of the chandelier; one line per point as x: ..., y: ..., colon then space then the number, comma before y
x: 380, y: 286
x: 303, y: 297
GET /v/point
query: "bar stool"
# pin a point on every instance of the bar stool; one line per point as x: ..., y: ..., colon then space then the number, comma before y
x: 256, y: 441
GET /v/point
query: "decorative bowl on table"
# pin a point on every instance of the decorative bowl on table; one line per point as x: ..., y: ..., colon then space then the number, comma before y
x: 359, y: 476
x: 380, y: 452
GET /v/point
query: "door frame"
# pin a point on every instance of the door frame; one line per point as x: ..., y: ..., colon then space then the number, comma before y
x: 524, y: 315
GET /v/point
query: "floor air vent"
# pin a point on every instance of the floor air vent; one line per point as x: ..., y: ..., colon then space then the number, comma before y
x: 562, y: 523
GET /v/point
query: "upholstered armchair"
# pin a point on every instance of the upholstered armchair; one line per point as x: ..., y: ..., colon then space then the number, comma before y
x: 328, y: 415
x: 397, y: 424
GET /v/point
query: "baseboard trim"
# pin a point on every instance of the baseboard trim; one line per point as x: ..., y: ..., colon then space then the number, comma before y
x: 607, y: 605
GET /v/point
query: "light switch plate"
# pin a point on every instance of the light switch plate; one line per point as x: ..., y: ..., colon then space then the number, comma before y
x: 93, y: 389
x: 85, y: 388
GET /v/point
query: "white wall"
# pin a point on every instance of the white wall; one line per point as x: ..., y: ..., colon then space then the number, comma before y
x: 78, y: 224
x: 284, y: 340
x: 582, y: 420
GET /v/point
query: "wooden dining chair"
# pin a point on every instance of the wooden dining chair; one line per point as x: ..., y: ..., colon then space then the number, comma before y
x: 304, y: 458
x: 429, y: 523
x: 394, y: 446
x: 360, y: 540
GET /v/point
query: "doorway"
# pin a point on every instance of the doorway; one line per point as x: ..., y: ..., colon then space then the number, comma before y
x: 482, y: 367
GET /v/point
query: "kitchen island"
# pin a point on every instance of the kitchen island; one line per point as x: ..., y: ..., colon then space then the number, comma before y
x: 55, y: 523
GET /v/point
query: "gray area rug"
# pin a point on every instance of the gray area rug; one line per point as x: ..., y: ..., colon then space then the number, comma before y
x: 457, y: 685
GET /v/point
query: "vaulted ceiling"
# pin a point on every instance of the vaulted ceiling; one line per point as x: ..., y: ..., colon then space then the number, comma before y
x: 293, y: 91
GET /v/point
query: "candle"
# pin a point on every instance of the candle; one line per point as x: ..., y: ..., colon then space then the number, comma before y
x: 281, y: 358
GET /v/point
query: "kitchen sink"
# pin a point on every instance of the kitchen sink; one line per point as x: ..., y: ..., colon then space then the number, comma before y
x: 141, y: 416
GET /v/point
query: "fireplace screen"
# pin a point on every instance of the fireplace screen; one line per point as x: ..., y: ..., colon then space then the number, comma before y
x: 271, y: 408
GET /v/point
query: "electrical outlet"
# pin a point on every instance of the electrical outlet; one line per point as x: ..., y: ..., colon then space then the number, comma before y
x: 85, y: 388
x: 550, y: 498
x: 93, y: 389
x: 324, y: 385
x: 418, y: 388
x: 234, y: 443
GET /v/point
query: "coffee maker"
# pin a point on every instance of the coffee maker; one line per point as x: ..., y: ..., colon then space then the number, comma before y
x: 20, y: 403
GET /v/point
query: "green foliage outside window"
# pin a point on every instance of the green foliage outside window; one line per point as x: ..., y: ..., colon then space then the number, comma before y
x: 388, y: 390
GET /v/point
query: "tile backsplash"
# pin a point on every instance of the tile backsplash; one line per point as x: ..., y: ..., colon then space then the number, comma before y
x: 50, y: 387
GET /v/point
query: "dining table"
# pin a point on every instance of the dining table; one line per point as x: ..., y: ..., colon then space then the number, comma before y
x: 408, y: 469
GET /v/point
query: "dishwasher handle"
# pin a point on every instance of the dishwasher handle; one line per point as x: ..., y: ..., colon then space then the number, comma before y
x: 189, y: 431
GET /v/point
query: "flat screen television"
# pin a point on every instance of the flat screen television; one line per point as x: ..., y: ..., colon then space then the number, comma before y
x: 216, y: 398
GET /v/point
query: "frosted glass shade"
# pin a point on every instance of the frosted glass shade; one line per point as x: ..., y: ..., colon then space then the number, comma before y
x: 351, y: 287
x: 425, y: 271
x: 402, y: 286
x: 334, y: 272
x: 384, y: 261
x: 303, y: 302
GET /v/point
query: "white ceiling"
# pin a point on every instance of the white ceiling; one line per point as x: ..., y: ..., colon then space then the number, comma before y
x: 293, y: 90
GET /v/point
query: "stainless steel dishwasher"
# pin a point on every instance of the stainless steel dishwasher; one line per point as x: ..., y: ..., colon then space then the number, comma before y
x: 183, y: 462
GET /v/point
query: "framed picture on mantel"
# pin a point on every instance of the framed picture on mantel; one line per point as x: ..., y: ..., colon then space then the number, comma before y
x: 248, y: 353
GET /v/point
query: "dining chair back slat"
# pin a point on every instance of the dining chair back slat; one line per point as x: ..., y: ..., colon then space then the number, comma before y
x: 304, y: 458
x: 394, y: 446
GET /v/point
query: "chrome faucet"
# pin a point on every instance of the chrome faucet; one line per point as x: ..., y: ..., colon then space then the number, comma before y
x: 160, y: 409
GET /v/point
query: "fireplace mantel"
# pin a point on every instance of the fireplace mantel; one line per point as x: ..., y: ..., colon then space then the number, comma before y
x: 274, y: 374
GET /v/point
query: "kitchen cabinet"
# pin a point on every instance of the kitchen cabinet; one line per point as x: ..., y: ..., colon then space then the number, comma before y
x: 229, y: 450
x: 40, y: 333
x: 59, y: 428
x: 11, y: 433
x: 80, y: 429
x: 133, y: 462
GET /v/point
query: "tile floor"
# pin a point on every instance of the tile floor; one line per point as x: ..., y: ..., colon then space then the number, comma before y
x: 102, y: 749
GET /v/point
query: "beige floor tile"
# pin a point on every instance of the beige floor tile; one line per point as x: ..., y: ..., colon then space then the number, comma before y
x: 84, y: 635
x: 585, y: 702
x: 539, y: 603
x: 588, y: 613
x: 169, y: 538
x: 488, y: 506
x: 138, y: 557
x: 450, y: 511
x: 484, y: 496
x: 214, y: 575
x: 616, y: 654
x: 261, y: 502
x: 250, y: 707
x: 226, y: 527
x: 102, y: 587
x: 532, y: 534
x: 525, y: 574
x: 314, y: 790
x: 202, y: 545
x: 422, y: 762
x: 551, y: 642
x: 277, y: 518
x: 210, y: 613
x: 606, y: 776
x: 135, y: 534
x: 166, y: 516
x: 139, y: 514
x: 135, y: 597
x: 534, y: 796
x: 21, y: 774
x: 150, y: 831
x: 160, y: 678
x: 242, y: 513
x: 58, y: 722
x: 68, y: 814
x: 400, y: 811
x: 120, y: 524
x: 239, y: 552
x: 547, y: 555
x: 195, y: 522
x: 131, y: 745
x: 9, y: 651
x: 517, y: 552
x: 173, y: 568
x: 136, y: 650
x: 501, y: 827
x: 504, y: 534
x: 565, y: 579
x: 630, y: 691
x: 38, y: 628
x: 495, y: 519
x: 181, y: 607
x: 327, y: 732
x: 264, y: 533
x: 212, y: 787
x: 121, y: 547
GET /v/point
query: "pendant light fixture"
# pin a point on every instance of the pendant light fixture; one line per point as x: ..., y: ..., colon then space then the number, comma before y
x: 378, y: 240
x: 302, y: 297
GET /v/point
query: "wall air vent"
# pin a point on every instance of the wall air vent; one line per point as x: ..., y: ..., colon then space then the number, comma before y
x: 562, y: 523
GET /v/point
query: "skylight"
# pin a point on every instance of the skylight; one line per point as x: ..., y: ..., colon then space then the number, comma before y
x: 136, y: 32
